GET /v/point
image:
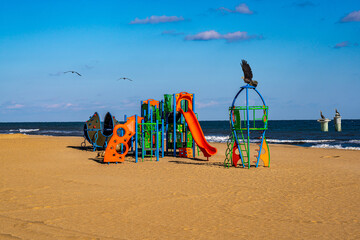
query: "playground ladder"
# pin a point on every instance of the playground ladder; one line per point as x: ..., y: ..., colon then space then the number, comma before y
x: 244, y: 153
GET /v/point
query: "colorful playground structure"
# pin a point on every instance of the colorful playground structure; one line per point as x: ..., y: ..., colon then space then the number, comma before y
x: 97, y: 136
x: 169, y: 126
x: 243, y: 121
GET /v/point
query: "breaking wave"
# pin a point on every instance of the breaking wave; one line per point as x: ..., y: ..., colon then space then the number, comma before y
x: 338, y: 146
x: 21, y: 130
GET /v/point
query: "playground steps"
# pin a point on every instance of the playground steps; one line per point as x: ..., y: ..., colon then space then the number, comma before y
x: 244, y: 153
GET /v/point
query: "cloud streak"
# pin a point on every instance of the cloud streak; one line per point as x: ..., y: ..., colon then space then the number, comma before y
x: 241, y: 8
x: 214, y: 35
x: 59, y: 106
x: 157, y: 19
x: 351, y: 17
x: 15, y: 106
x: 344, y: 44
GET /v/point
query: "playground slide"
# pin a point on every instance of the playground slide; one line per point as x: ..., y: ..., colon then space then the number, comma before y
x: 197, y: 133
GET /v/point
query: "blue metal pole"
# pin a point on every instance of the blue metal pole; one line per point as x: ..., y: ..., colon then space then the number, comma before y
x: 162, y: 137
x: 157, y: 140
x: 248, y: 126
x: 151, y: 132
x: 143, y: 142
x: 174, y: 127
x: 232, y: 125
x: 136, y: 138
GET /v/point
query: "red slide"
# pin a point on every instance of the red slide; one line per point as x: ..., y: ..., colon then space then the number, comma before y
x: 194, y: 126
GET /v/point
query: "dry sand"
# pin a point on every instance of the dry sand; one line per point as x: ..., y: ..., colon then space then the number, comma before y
x: 50, y: 189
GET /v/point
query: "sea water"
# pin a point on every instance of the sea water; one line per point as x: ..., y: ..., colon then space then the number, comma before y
x: 306, y: 133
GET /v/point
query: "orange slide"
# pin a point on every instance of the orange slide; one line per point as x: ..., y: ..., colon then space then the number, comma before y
x: 194, y: 124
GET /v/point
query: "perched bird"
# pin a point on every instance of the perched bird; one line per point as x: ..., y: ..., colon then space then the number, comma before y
x: 73, y: 72
x: 125, y: 78
x: 248, y: 74
x: 322, y: 116
x: 336, y: 112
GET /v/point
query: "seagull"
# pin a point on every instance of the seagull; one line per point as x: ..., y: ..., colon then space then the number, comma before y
x: 322, y: 116
x: 125, y: 78
x: 248, y: 74
x: 73, y: 72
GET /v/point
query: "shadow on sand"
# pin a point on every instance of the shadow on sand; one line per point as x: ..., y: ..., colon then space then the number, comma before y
x: 199, y: 162
x: 86, y: 148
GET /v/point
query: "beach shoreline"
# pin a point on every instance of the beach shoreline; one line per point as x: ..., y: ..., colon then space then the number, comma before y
x: 51, y: 189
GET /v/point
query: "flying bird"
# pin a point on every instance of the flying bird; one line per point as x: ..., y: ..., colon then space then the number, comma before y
x: 248, y: 74
x: 322, y: 116
x: 125, y: 78
x: 73, y: 72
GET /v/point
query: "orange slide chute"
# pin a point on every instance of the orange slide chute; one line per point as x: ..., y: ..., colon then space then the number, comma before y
x: 194, y: 124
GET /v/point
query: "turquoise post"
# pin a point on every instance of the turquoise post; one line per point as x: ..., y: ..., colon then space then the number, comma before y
x: 162, y: 137
x: 174, y: 127
x: 248, y: 127
x: 157, y: 140
x: 162, y: 128
x: 143, y: 135
x: 136, y: 138
x: 151, y: 132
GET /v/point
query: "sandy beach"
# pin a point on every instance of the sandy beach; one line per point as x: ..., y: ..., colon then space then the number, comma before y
x: 51, y: 189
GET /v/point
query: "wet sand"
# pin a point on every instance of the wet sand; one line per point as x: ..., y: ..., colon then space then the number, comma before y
x: 51, y: 189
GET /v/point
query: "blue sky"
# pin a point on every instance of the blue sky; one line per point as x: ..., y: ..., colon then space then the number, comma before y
x: 304, y: 54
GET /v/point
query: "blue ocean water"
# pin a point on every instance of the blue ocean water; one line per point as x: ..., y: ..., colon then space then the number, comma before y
x: 304, y: 133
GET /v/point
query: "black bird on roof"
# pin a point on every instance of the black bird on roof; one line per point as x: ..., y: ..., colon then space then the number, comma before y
x: 125, y: 78
x: 73, y: 72
x: 322, y: 116
x: 248, y: 73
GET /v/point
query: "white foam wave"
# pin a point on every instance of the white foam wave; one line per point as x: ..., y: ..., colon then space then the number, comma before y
x: 59, y: 131
x: 298, y: 141
x: 222, y: 139
x: 335, y: 147
x: 354, y: 141
x: 21, y: 130
x: 219, y: 139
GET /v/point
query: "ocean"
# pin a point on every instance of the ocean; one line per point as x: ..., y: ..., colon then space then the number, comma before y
x: 305, y: 133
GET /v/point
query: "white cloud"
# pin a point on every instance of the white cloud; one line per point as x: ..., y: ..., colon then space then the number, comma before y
x: 204, y: 36
x: 157, y: 19
x: 59, y: 105
x: 213, y: 35
x: 15, y: 106
x: 241, y: 8
x: 351, y: 17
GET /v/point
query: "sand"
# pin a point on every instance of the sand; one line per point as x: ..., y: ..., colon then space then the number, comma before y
x: 51, y: 189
